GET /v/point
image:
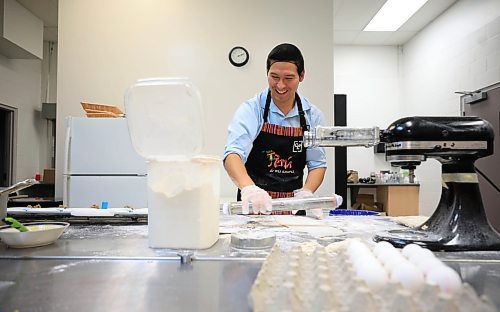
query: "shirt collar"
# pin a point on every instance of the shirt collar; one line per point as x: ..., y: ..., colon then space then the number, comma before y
x: 294, y: 112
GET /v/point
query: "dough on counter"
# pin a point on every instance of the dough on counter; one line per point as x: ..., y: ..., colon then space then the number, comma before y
x: 411, y: 221
x: 319, y: 231
x: 287, y: 220
x: 340, y: 246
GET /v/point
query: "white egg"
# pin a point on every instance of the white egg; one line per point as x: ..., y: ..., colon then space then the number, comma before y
x: 407, y: 275
x: 373, y: 275
x: 410, y: 249
x: 366, y: 258
x: 356, y: 248
x: 380, y: 246
x: 420, y: 255
x: 428, y: 264
x: 386, y: 255
x: 392, y: 262
x: 446, y: 278
x: 358, y: 254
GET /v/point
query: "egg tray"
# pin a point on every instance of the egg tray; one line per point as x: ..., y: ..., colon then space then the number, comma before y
x: 310, y: 277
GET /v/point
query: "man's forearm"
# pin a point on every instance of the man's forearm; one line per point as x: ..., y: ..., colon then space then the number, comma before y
x: 314, y: 179
x: 237, y: 171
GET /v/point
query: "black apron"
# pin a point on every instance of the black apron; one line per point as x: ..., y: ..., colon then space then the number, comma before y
x: 277, y: 160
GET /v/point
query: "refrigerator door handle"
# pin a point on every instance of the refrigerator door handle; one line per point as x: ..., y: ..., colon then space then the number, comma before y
x: 65, y: 189
x: 67, y: 145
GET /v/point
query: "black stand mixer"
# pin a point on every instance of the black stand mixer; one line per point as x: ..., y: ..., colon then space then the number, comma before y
x: 459, y: 221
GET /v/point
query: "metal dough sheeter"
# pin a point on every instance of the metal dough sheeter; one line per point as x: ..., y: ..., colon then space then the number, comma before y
x: 459, y: 221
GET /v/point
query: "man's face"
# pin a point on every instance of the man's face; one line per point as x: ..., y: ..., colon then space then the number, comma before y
x: 283, y: 80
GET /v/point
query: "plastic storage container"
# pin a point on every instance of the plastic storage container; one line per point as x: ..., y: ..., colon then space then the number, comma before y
x: 166, y: 127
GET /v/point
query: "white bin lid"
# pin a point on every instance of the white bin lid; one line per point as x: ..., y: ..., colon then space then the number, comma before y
x: 165, y: 118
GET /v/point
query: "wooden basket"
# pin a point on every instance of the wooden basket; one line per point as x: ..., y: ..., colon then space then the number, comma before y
x: 101, y: 110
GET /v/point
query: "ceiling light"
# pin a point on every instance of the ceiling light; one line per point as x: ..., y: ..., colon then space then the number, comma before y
x: 393, y: 14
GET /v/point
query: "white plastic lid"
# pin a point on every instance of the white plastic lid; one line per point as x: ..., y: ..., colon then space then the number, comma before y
x: 165, y: 118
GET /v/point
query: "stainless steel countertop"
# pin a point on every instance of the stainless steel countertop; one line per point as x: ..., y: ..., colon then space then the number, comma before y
x: 111, y: 267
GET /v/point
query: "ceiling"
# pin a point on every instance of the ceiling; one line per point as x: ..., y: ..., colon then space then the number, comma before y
x: 350, y: 17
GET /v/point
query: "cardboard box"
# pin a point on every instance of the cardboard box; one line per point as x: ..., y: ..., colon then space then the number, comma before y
x: 367, y: 202
x: 367, y: 199
x: 363, y: 201
x: 399, y: 200
x: 49, y: 176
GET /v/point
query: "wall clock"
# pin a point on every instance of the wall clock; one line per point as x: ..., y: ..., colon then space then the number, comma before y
x: 238, y: 56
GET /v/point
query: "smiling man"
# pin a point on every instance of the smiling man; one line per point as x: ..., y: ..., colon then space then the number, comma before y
x: 264, y: 155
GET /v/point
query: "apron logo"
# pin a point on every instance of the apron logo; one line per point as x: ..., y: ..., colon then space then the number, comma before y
x: 276, y: 162
x: 297, y: 146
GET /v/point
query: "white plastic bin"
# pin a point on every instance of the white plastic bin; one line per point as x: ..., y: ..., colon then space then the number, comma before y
x: 165, y: 121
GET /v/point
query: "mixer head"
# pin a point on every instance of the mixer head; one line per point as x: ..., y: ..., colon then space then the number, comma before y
x: 411, y: 140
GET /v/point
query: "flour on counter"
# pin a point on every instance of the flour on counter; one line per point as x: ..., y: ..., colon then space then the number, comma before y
x: 287, y: 220
x: 96, y: 231
x: 319, y: 231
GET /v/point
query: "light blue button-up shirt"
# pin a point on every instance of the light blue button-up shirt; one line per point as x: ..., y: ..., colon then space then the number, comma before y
x: 248, y: 120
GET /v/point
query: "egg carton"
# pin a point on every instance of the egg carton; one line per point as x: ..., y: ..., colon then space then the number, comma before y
x: 349, y: 276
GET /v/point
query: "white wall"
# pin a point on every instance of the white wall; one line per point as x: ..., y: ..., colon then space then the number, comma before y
x: 369, y: 76
x: 20, y: 88
x: 104, y: 46
x: 458, y: 51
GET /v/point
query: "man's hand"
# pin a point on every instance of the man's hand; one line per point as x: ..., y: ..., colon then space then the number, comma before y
x: 305, y: 193
x: 260, y: 199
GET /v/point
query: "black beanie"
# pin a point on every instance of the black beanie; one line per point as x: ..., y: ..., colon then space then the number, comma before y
x: 286, y: 52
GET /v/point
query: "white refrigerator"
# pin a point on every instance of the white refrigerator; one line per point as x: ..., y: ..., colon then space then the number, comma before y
x: 101, y: 165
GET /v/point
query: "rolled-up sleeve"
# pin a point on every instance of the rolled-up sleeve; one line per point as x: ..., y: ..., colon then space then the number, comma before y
x: 243, y: 129
x: 316, y: 156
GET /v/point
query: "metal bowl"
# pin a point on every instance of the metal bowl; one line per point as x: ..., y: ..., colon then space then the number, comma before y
x: 39, y: 234
x: 253, y: 240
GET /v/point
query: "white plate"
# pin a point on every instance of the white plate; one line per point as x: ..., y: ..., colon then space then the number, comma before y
x: 39, y: 234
